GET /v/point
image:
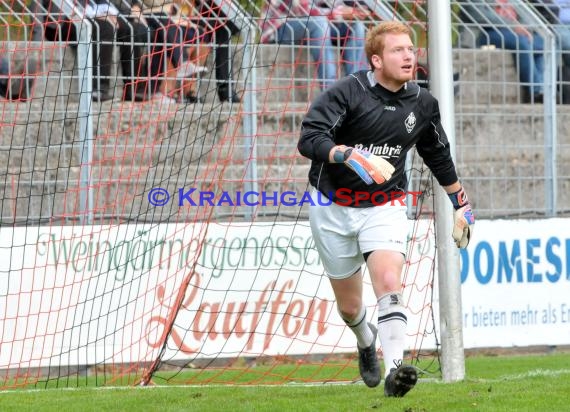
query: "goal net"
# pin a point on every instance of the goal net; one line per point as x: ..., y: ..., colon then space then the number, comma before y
x: 153, y: 226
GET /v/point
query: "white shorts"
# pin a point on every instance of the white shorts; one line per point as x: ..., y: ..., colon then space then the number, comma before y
x: 342, y: 234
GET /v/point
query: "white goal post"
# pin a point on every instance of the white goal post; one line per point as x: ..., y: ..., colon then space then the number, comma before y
x: 441, y: 85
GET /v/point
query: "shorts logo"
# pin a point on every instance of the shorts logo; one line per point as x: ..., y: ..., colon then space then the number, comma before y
x: 410, y: 122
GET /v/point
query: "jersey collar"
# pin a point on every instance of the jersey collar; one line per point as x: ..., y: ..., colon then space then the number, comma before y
x: 384, y: 93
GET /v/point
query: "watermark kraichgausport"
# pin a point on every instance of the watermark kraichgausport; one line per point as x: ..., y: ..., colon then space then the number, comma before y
x: 344, y: 197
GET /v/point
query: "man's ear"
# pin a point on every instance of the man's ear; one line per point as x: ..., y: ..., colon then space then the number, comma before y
x: 376, y: 61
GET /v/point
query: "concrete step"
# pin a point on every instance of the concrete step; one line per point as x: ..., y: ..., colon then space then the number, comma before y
x: 127, y: 144
x: 487, y: 76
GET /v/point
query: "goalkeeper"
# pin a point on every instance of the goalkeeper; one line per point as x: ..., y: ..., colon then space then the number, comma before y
x: 357, y: 133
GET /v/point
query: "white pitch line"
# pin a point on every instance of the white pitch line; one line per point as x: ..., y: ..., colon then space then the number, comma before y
x: 520, y: 376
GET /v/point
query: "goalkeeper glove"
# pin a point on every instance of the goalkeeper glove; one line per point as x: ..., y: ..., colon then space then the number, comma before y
x: 368, y: 167
x: 463, y: 218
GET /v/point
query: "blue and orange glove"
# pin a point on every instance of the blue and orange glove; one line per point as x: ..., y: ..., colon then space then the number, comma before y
x: 367, y: 166
x: 463, y: 218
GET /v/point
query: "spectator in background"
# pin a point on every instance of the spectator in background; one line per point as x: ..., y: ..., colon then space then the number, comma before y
x: 300, y: 21
x: 176, y: 54
x: 348, y: 32
x: 188, y: 27
x: 219, y: 29
x: 557, y: 13
x: 106, y: 20
x: 564, y: 10
x: 503, y: 27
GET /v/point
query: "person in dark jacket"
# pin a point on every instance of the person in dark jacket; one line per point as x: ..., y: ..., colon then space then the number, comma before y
x: 357, y: 134
x: 220, y: 29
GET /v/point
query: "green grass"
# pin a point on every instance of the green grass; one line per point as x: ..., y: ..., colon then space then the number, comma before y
x: 498, y: 383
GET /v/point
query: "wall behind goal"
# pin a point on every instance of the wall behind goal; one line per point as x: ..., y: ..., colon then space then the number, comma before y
x: 254, y: 290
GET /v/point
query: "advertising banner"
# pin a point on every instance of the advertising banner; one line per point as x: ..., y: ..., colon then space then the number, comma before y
x: 83, y: 295
x: 516, y: 284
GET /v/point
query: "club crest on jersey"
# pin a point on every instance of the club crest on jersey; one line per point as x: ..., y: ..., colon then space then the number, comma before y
x: 410, y: 122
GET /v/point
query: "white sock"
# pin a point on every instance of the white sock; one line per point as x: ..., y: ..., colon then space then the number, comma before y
x: 392, y: 323
x: 359, y: 326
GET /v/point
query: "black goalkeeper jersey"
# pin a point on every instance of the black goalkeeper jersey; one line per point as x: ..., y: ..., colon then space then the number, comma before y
x: 355, y: 113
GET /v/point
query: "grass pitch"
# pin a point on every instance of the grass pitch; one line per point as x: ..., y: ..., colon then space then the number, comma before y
x: 493, y: 383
